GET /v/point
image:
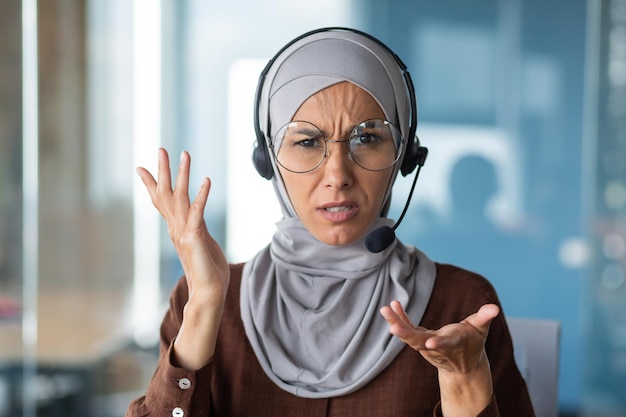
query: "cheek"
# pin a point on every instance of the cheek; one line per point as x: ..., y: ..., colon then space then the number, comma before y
x: 377, y: 187
x: 298, y: 199
x: 298, y: 189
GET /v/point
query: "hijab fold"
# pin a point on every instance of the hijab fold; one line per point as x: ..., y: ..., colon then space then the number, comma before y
x: 313, y: 317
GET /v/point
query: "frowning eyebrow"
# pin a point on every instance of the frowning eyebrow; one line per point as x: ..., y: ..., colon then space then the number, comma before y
x: 309, y: 132
x: 315, y: 132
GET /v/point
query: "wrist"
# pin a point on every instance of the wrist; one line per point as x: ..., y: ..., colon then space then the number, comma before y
x: 202, y: 302
x: 466, y: 393
x: 195, y: 342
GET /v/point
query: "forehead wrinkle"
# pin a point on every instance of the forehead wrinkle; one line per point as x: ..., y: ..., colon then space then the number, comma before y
x: 338, y: 109
x: 341, y: 134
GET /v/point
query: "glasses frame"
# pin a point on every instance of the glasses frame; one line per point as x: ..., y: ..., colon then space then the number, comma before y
x: 400, y: 152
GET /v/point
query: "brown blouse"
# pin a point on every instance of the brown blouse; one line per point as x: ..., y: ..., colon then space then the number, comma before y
x: 234, y: 384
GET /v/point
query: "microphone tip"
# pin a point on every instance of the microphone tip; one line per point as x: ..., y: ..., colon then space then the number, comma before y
x: 379, y: 239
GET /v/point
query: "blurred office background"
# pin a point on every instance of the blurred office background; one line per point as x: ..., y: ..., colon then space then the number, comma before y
x: 522, y: 105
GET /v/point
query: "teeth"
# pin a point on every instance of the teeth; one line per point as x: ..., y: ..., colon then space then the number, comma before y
x: 338, y: 209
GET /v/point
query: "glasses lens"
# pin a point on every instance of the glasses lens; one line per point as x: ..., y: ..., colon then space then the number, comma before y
x: 375, y: 144
x: 299, y: 146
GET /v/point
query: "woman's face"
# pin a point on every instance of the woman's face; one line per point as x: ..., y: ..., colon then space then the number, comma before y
x: 338, y: 201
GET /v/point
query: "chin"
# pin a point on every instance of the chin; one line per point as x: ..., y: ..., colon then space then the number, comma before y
x: 340, y: 239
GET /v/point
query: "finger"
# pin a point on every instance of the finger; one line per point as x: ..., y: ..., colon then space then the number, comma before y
x: 401, y: 313
x: 181, y: 190
x: 399, y: 322
x: 481, y: 320
x: 150, y: 184
x: 164, y: 182
x: 396, y: 324
x: 147, y: 179
x: 404, y: 330
x: 439, y: 342
x: 196, y: 211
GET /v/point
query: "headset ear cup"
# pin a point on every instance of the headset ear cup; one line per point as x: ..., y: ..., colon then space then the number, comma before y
x: 261, y: 161
x: 411, y: 157
x: 415, y: 155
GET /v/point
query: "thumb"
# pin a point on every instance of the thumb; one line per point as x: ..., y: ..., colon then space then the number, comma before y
x: 481, y: 320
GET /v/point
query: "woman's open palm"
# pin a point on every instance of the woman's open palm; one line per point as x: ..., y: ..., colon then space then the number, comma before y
x: 456, y: 347
x: 202, y: 259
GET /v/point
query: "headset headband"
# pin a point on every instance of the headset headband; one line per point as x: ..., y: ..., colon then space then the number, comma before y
x: 261, y: 155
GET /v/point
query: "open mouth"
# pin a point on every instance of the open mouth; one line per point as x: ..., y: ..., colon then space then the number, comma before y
x: 338, y: 209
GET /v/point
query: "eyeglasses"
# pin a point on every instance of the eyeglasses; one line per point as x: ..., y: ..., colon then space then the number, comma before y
x: 301, y: 147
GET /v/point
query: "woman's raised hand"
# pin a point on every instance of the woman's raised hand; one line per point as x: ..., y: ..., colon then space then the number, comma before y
x: 203, y: 261
x: 457, y: 351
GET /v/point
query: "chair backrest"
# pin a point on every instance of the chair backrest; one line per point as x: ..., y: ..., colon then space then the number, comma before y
x: 536, y: 345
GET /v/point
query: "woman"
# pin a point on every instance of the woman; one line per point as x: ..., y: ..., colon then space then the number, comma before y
x: 316, y: 324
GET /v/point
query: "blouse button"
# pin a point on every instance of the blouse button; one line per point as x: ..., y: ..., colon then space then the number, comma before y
x: 184, y: 383
x: 178, y: 412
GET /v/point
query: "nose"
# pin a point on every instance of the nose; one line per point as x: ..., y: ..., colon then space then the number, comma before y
x: 338, y: 167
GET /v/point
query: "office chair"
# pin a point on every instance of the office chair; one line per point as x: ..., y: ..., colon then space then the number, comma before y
x: 536, y: 347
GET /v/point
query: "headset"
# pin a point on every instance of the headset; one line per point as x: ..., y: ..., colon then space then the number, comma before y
x: 414, y: 155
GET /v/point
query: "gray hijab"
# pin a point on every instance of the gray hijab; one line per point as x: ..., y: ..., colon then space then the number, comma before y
x: 311, y: 310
